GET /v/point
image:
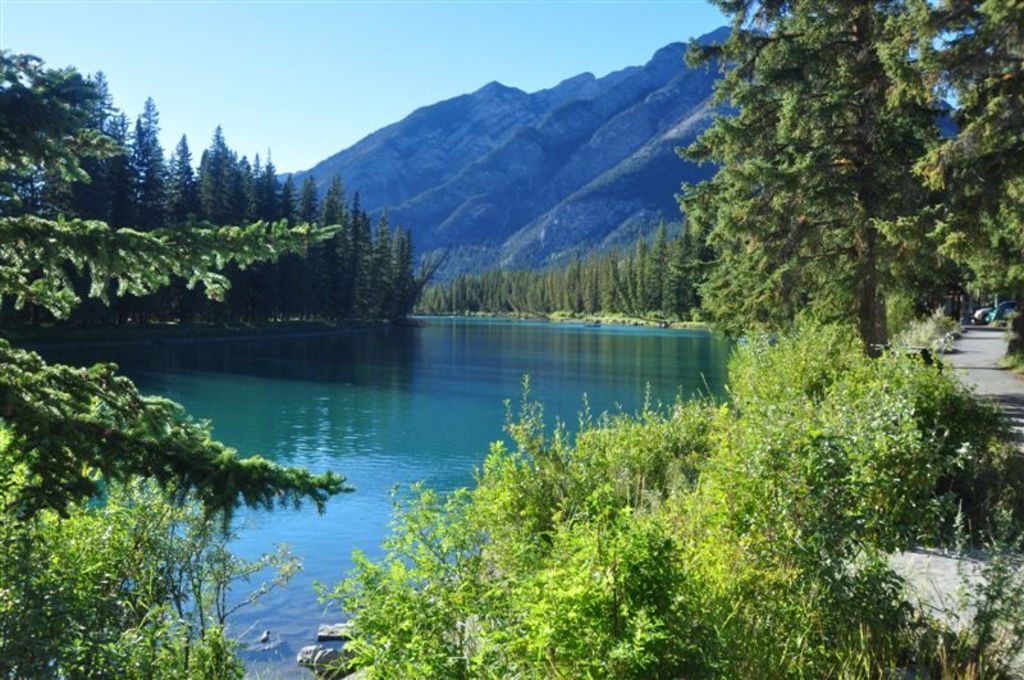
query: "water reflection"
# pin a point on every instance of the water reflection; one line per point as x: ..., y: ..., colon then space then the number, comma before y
x: 392, y: 406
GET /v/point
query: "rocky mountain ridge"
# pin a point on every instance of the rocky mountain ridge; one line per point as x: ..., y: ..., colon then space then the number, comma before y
x: 502, y: 177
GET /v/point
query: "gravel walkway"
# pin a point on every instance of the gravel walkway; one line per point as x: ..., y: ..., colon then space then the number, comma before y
x: 977, y: 357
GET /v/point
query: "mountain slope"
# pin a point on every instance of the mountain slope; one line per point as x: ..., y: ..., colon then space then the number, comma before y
x: 506, y: 177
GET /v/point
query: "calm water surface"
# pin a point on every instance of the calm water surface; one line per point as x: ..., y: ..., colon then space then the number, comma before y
x: 388, y: 407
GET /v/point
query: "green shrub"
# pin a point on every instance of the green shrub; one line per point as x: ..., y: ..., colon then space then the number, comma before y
x: 748, y: 539
x: 131, y: 585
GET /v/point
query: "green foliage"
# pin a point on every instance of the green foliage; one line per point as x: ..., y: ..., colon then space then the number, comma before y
x: 974, y: 51
x: 814, y: 204
x: 101, y: 574
x: 45, y: 121
x: 105, y: 172
x: 35, y: 253
x: 748, y: 539
x: 78, y: 428
x: 134, y: 587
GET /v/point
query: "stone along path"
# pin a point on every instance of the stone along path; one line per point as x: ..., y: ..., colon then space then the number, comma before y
x: 939, y: 578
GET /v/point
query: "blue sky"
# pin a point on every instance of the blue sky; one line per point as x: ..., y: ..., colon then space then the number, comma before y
x: 308, y: 78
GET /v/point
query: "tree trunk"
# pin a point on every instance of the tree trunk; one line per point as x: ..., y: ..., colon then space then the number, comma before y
x: 869, y: 303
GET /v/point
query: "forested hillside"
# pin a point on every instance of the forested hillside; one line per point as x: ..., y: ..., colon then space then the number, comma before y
x: 365, y: 271
x: 660, y: 279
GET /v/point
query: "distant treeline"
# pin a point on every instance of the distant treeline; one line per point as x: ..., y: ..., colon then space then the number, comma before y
x: 363, y: 272
x: 660, y: 278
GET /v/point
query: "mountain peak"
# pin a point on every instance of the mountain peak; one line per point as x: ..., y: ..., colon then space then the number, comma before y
x: 501, y: 175
x: 581, y: 79
x: 494, y: 88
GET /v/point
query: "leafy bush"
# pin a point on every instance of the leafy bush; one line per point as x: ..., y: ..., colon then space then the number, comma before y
x: 748, y: 539
x: 130, y: 585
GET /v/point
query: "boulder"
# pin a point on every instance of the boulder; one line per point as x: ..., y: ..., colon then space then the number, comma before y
x: 324, y: 661
x: 329, y: 632
x: 307, y: 654
x: 326, y: 656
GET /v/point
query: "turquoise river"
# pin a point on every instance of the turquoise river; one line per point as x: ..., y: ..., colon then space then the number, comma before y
x: 388, y: 407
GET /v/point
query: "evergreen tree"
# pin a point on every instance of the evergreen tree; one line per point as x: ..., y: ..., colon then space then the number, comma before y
x: 404, y: 287
x: 382, y: 290
x: 92, y: 198
x: 216, y: 169
x: 182, y: 193
x: 289, y: 201
x: 814, y: 203
x: 975, y: 50
x: 121, y: 176
x: 148, y: 170
x: 611, y: 296
x: 359, y: 262
x: 241, y: 191
x: 657, y: 270
x: 574, y: 286
x: 309, y: 208
x: 642, y: 294
x: 332, y: 209
x: 268, y: 193
x: 327, y: 259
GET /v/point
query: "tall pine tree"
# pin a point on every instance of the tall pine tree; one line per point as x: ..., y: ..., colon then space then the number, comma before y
x: 148, y: 170
x: 182, y: 192
x: 814, y: 204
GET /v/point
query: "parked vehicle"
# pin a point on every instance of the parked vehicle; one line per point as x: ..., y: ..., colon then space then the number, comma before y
x: 1001, y: 311
x: 981, y: 314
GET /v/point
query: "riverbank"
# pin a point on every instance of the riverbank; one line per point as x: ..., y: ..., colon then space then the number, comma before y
x: 790, y: 499
x: 174, y: 333
x: 602, y: 319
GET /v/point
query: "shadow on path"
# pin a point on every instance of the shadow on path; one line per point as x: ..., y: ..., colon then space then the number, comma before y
x: 977, y: 357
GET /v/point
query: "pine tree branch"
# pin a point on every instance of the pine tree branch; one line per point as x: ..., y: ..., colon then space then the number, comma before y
x: 75, y: 429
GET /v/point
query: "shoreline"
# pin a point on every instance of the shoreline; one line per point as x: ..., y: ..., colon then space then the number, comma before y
x: 56, y: 336
x: 567, y: 317
x: 182, y: 334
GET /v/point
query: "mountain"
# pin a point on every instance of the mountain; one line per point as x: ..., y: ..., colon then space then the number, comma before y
x: 510, y: 178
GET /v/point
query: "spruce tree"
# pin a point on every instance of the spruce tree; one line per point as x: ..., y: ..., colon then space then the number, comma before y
x: 309, y: 208
x: 814, y: 203
x: 404, y: 284
x: 975, y: 50
x: 216, y: 169
x: 359, y: 262
x: 182, y: 194
x: 92, y: 198
x: 658, y: 269
x: 289, y: 201
x: 121, y: 176
x: 148, y: 170
x: 382, y: 288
